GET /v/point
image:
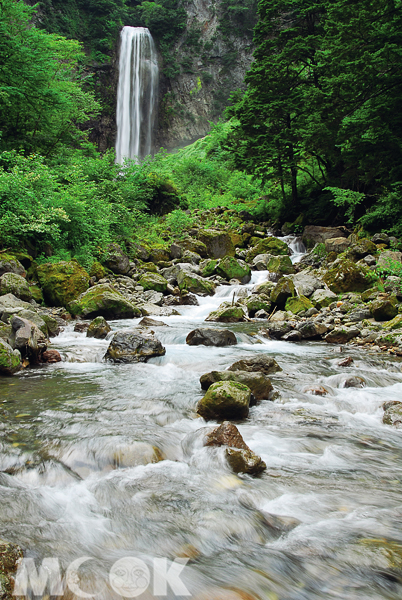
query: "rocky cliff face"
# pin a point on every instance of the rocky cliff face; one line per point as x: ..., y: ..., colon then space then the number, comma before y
x: 212, y: 65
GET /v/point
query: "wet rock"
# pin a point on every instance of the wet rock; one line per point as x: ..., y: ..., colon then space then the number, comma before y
x: 395, y: 323
x: 211, y: 337
x: 269, y: 245
x: 276, y: 329
x: 181, y: 300
x: 384, y: 309
x: 225, y: 400
x: 259, y: 384
x: 218, y: 243
x: 27, y: 338
x: 232, y: 268
x: 393, y: 415
x: 98, y: 328
x: 292, y: 336
x: 195, y: 284
x: 347, y: 276
x: 117, y: 261
x: 103, y: 301
x: 298, y: 304
x: 148, y: 322
x: 313, y: 234
x: 81, y: 327
x: 226, y: 434
x: 261, y: 314
x: 50, y: 356
x: 258, y: 303
x: 312, y: 330
x: 152, y: 310
x: 387, y: 257
x: 390, y: 403
x: 341, y: 335
x: 354, y: 382
x: 10, y: 359
x: 10, y: 556
x: 283, y: 290
x: 208, y: 267
x: 337, y: 245
x: 245, y: 461
x: 280, y: 523
x: 134, y: 345
x: 153, y: 281
x: 227, y: 313
x: 62, y: 282
x: 260, y: 363
x: 136, y: 453
x: 11, y: 283
x: 30, y: 315
x: 346, y: 362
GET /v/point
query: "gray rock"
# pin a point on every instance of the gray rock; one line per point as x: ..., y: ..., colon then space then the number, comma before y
x: 11, y: 283
x: 191, y: 257
x: 306, y: 283
x: 151, y: 310
x: 117, y: 260
x: 292, y: 336
x: 11, y: 266
x: 260, y: 363
x: 27, y: 338
x: 369, y: 260
x: 153, y: 297
x: 354, y: 382
x: 323, y: 298
x: 261, y: 314
x: 380, y: 238
x: 261, y: 260
x: 341, y: 335
x: 311, y: 329
x: 10, y: 302
x: 276, y: 330
x: 259, y: 384
x: 211, y: 337
x: 98, y: 328
x: 387, y: 257
x: 311, y: 312
x: 134, y: 345
x: 359, y: 314
x: 175, y: 251
x: 148, y: 322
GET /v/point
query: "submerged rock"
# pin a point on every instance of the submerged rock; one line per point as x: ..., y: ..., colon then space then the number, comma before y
x: 136, y: 453
x: 259, y: 384
x: 62, y: 282
x: 245, y: 461
x: 103, y: 301
x: 134, y: 345
x: 98, y: 328
x: 211, y: 337
x: 262, y: 363
x: 225, y: 400
x: 11, y: 283
x: 226, y: 434
x: 10, y: 359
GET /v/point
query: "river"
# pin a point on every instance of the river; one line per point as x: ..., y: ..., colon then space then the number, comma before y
x: 333, y: 474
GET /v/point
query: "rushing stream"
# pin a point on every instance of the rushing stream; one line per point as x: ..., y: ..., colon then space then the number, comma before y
x: 333, y: 469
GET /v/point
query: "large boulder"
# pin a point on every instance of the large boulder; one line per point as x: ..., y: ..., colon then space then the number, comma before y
x: 261, y: 363
x: 153, y: 281
x: 11, y: 283
x: 98, y: 328
x: 117, y: 261
x: 337, y: 245
x: 211, y: 337
x: 239, y: 456
x: 270, y: 245
x: 232, y: 268
x: 225, y: 400
x: 323, y: 298
x: 10, y: 359
x: 27, y: 338
x: 36, y: 318
x: 264, y: 288
x: 259, y: 384
x: 62, y: 282
x: 208, y: 267
x: 280, y: 264
x: 134, y: 345
x: 306, y: 283
x: 10, y: 304
x: 103, y: 301
x: 298, y: 304
x: 9, y: 264
x: 255, y: 303
x: 153, y: 310
x: 313, y: 234
x: 363, y: 248
x: 347, y: 276
x: 195, y: 284
x: 388, y: 257
x: 227, y: 313
x: 283, y: 290
x: 384, y: 309
x: 218, y: 243
x: 193, y: 246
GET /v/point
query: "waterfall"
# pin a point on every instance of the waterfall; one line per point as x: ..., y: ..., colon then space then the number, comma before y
x: 137, y: 94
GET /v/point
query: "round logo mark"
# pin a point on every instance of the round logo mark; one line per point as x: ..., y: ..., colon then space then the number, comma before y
x: 129, y: 577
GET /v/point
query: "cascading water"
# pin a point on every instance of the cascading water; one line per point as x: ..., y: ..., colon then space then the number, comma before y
x: 137, y: 94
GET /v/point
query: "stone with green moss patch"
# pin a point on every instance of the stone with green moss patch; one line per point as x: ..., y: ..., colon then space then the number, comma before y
x: 97, y: 270
x: 283, y: 290
x: 62, y: 282
x: 384, y: 309
x: 395, y: 323
x: 347, y: 276
x: 256, y: 302
x: 231, y: 268
x: 10, y: 360
x: 153, y: 281
x: 103, y: 301
x: 280, y: 264
x: 298, y: 304
x: 36, y: 294
x: 195, y: 284
x: 11, y: 283
x: 208, y: 267
x: 218, y: 243
x: 227, y: 313
x: 270, y: 245
x: 225, y: 400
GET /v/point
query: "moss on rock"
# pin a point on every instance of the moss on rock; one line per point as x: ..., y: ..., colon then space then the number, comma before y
x: 280, y: 264
x: 195, y: 284
x: 10, y: 360
x: 256, y: 302
x: 225, y: 400
x: 218, y: 243
x: 298, y: 304
x: 103, y: 301
x: 62, y: 282
x: 227, y: 313
x: 11, y: 283
x: 347, y: 276
x: 231, y: 268
x: 153, y: 281
x: 283, y: 290
x: 270, y: 245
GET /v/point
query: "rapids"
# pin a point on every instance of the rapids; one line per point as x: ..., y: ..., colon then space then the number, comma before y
x: 333, y: 468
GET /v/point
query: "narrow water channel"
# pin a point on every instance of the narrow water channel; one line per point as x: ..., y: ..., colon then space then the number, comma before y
x: 323, y: 521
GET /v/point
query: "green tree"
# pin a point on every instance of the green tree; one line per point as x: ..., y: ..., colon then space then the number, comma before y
x: 42, y: 102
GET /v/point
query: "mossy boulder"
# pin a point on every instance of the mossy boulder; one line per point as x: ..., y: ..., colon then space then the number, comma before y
x: 237, y: 238
x: 150, y: 267
x: 298, y: 304
x: 283, y: 290
x: 231, y: 268
x: 208, y: 267
x: 395, y: 323
x: 347, y: 276
x: 10, y: 360
x: 9, y: 264
x: 52, y: 325
x: 225, y: 400
x: 153, y: 281
x: 265, y: 288
x: 227, y: 313
x: 11, y: 283
x: 259, y: 384
x: 218, y: 243
x: 98, y: 328
x: 244, y: 461
x: 36, y: 294
x: 134, y: 345
x: 280, y: 264
x: 158, y: 255
x: 384, y: 309
x: 62, y: 282
x: 194, y: 246
x: 195, y: 284
x: 323, y: 298
x: 97, y: 270
x: 363, y: 248
x: 103, y: 301
x: 270, y: 245
x: 256, y: 302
